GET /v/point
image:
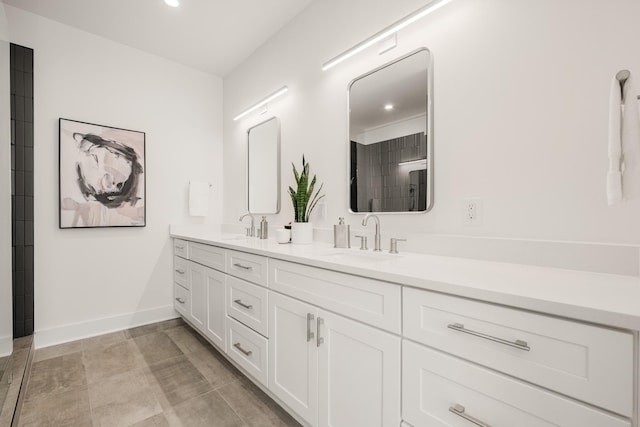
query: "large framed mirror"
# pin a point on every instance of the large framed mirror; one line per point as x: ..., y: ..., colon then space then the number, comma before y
x: 263, y: 167
x: 390, y: 127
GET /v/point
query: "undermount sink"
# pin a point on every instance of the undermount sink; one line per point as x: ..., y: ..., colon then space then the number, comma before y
x: 238, y: 237
x: 359, y: 257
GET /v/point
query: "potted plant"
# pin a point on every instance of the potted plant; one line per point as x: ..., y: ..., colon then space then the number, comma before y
x: 304, y: 200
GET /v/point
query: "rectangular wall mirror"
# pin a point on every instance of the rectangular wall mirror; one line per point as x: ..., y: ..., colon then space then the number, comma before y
x: 263, y: 167
x: 391, y: 137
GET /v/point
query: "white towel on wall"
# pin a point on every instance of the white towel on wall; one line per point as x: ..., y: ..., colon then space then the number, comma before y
x: 630, y: 143
x: 614, y: 148
x: 198, y: 198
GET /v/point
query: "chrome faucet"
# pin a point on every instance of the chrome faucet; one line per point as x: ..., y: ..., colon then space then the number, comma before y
x: 376, y: 244
x: 251, y: 231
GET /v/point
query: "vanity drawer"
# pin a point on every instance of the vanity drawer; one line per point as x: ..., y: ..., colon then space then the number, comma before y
x: 591, y: 363
x: 181, y: 248
x: 181, y: 297
x: 370, y: 301
x: 248, y: 304
x: 210, y: 256
x: 247, y: 266
x: 181, y: 272
x: 435, y: 383
x: 248, y: 349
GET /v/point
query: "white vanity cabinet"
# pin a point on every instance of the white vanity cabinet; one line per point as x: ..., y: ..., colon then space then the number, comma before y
x: 553, y: 365
x: 331, y: 370
x: 388, y: 347
x: 199, y: 288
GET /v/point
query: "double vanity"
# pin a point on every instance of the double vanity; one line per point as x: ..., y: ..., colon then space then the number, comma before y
x: 343, y: 337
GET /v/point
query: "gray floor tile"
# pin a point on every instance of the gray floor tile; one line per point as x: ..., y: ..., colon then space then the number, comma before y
x: 207, y: 410
x: 254, y: 407
x: 68, y: 408
x: 57, y: 350
x: 104, y: 340
x: 178, y: 379
x: 156, y: 421
x: 103, y: 362
x: 122, y: 400
x: 157, y: 346
x: 186, y: 340
x: 57, y: 374
x: 154, y: 327
x: 217, y: 371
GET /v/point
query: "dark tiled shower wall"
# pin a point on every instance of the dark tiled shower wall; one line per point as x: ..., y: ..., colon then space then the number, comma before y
x: 384, y: 183
x: 22, y: 188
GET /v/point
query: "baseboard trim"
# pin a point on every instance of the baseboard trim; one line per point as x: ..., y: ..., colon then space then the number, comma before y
x: 6, y: 346
x: 90, y: 328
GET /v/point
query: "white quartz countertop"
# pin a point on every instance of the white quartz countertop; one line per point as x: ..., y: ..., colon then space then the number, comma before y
x: 607, y: 299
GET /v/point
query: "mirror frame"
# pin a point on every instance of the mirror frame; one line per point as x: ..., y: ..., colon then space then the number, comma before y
x: 278, y: 168
x: 429, y: 137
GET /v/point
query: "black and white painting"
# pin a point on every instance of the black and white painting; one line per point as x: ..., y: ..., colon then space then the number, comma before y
x: 102, y: 181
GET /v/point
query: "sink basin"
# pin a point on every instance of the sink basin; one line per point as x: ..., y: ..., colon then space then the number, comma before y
x: 238, y: 237
x: 359, y: 257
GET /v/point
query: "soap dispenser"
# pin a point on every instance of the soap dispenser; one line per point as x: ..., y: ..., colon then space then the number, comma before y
x: 264, y: 228
x: 341, y: 234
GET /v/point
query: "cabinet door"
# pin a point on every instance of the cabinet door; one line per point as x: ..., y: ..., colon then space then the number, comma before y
x: 293, y: 357
x: 197, y: 307
x: 215, y: 328
x: 359, y: 374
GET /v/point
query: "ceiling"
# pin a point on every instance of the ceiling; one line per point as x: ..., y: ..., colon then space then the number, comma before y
x: 211, y: 35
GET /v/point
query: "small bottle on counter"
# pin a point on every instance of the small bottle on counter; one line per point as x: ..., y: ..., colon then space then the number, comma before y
x: 264, y: 228
x: 341, y: 234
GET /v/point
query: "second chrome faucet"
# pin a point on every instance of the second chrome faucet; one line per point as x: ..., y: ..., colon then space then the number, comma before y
x: 376, y: 245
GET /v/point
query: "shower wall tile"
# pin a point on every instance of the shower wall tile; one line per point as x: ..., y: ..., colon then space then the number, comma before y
x: 22, y: 172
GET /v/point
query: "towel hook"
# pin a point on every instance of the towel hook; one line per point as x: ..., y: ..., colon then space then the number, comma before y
x: 622, y: 76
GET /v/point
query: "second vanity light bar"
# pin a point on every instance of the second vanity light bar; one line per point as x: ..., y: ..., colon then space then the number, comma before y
x: 262, y: 102
x: 393, y: 28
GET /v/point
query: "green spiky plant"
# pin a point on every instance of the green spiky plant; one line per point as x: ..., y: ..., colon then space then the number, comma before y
x: 303, y: 198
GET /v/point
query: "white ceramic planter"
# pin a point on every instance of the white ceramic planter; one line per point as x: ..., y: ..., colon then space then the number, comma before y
x: 302, y: 233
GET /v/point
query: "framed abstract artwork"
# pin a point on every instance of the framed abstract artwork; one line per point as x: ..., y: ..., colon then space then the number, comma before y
x: 102, y: 180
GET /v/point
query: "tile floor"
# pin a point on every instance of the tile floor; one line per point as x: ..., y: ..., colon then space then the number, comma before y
x: 162, y: 374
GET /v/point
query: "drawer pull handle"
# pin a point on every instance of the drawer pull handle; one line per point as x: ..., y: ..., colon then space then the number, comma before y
x: 309, y: 331
x: 239, y: 347
x: 519, y: 344
x: 244, y: 267
x: 179, y: 247
x: 180, y: 271
x: 180, y: 300
x: 459, y: 411
x: 320, y: 339
x: 243, y: 305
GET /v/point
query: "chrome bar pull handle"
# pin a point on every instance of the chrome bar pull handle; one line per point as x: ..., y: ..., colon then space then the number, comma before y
x: 309, y: 331
x: 243, y: 305
x: 320, y: 340
x: 519, y: 344
x: 244, y: 267
x: 179, y: 271
x: 179, y: 246
x: 180, y: 300
x: 239, y: 347
x: 459, y: 410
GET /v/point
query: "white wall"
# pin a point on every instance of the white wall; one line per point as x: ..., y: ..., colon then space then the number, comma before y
x: 520, y: 98
x: 6, y: 304
x: 88, y: 281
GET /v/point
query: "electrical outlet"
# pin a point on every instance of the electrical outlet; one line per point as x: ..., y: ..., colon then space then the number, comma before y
x: 472, y: 211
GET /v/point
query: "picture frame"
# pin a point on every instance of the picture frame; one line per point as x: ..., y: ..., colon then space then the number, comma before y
x: 101, y: 176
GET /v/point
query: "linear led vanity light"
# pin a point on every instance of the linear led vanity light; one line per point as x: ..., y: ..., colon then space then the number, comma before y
x: 262, y: 102
x: 419, y: 162
x: 393, y: 28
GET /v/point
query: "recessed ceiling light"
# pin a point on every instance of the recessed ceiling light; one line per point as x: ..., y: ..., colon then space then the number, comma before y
x: 388, y: 107
x: 172, y: 3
